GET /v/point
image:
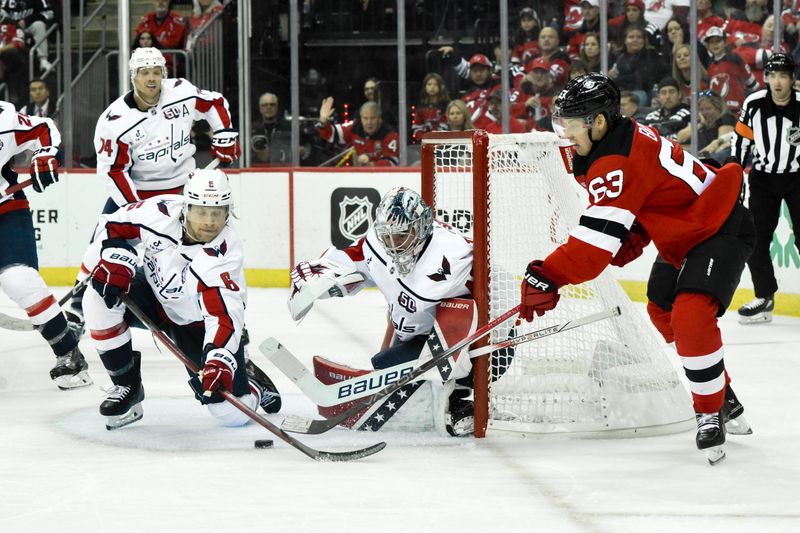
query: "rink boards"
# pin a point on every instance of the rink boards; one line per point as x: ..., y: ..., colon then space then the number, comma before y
x: 284, y: 216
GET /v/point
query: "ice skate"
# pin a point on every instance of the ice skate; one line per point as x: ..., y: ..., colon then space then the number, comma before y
x: 758, y: 311
x: 461, y: 419
x: 270, y: 397
x: 70, y: 371
x: 732, y: 411
x: 710, y: 436
x: 123, y: 405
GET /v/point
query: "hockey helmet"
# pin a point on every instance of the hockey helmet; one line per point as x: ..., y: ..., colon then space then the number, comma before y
x: 207, y: 202
x: 403, y: 224
x: 147, y: 58
x: 585, y: 97
x: 780, y: 63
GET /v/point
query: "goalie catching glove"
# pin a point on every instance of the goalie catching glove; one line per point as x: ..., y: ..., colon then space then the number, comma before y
x: 225, y: 145
x: 633, y: 245
x: 218, y: 371
x: 539, y: 294
x: 113, y: 274
x: 44, y: 168
x: 319, y: 279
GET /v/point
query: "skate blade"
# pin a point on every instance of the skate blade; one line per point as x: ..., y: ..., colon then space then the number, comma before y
x: 715, y: 454
x: 761, y: 318
x: 115, y: 422
x: 738, y: 426
x: 67, y: 382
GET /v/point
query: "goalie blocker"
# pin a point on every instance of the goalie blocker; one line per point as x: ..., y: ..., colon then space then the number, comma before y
x: 435, y: 402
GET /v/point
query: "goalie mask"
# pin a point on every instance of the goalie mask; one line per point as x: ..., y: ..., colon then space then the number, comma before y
x: 207, y: 204
x: 403, y: 223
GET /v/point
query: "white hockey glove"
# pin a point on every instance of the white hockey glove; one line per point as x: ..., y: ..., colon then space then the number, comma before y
x: 320, y: 279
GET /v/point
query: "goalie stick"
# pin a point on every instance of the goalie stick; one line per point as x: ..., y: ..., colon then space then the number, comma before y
x: 327, y: 395
x: 317, y: 455
x: 23, y: 324
x: 298, y: 424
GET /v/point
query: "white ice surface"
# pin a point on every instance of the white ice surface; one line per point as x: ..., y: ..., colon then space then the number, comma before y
x: 176, y: 470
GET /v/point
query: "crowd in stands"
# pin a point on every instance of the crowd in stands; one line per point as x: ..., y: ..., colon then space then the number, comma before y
x: 649, y: 57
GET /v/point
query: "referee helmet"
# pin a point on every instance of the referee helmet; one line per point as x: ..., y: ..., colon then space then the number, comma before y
x: 780, y: 63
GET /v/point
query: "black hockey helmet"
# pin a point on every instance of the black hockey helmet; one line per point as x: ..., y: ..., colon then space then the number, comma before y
x: 588, y: 96
x: 780, y: 63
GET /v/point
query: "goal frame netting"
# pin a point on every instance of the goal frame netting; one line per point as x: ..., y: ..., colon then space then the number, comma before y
x: 477, y: 152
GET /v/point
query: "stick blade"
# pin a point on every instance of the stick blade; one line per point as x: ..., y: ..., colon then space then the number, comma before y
x: 338, y: 457
x: 15, y: 324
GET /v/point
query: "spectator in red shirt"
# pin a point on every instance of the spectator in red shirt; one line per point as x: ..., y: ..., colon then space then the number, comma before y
x: 12, y: 66
x: 729, y: 75
x: 748, y: 30
x: 706, y: 19
x: 375, y: 144
x: 538, y: 90
x: 549, y: 50
x: 756, y: 54
x: 430, y: 111
x: 590, y: 11
x: 492, y: 120
x: 478, y: 70
x: 168, y: 27
x: 202, y: 11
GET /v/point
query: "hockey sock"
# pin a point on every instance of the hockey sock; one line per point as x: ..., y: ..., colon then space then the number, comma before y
x: 699, y: 345
x: 661, y: 320
x: 121, y: 365
x: 57, y: 333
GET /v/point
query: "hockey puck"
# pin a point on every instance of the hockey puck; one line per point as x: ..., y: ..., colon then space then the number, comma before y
x: 263, y: 443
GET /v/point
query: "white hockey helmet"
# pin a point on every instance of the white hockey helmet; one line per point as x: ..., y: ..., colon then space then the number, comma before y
x: 403, y: 224
x: 207, y: 204
x: 147, y: 58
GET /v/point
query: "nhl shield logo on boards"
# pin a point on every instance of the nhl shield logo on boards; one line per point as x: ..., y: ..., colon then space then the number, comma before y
x: 352, y: 211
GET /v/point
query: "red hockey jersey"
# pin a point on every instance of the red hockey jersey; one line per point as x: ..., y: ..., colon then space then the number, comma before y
x: 382, y: 147
x: 634, y: 174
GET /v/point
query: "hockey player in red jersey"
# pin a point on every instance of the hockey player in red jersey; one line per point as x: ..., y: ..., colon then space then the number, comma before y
x: 643, y: 187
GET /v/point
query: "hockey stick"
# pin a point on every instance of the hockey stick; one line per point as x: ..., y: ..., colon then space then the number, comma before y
x: 297, y: 424
x: 10, y: 191
x: 317, y: 455
x: 365, y: 385
x: 23, y: 324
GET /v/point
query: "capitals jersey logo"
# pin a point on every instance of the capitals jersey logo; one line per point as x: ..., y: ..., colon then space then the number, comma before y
x: 443, y: 272
x: 216, y: 251
x: 110, y: 117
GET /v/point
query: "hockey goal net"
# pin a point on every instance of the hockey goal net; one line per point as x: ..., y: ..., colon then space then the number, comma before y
x: 512, y: 195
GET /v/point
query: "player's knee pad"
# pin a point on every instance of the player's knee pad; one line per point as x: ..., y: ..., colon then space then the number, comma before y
x: 107, y: 327
x: 228, y: 415
x: 25, y: 286
x: 694, y: 322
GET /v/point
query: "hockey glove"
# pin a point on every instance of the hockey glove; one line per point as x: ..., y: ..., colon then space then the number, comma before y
x: 539, y: 294
x: 113, y: 274
x: 225, y: 145
x: 632, y: 247
x: 218, y: 371
x: 44, y: 168
x: 320, y: 279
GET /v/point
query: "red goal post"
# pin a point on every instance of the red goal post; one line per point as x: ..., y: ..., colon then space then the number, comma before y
x: 515, y: 197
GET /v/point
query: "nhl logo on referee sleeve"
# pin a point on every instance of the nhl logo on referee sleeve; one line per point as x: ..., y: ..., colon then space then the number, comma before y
x: 793, y: 135
x: 352, y: 211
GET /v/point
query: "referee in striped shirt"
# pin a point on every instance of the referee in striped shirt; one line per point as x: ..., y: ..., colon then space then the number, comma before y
x: 769, y: 126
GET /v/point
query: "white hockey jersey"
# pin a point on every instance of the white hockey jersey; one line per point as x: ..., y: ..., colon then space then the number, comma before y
x: 20, y: 132
x: 193, y: 283
x: 443, y: 270
x: 152, y: 150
